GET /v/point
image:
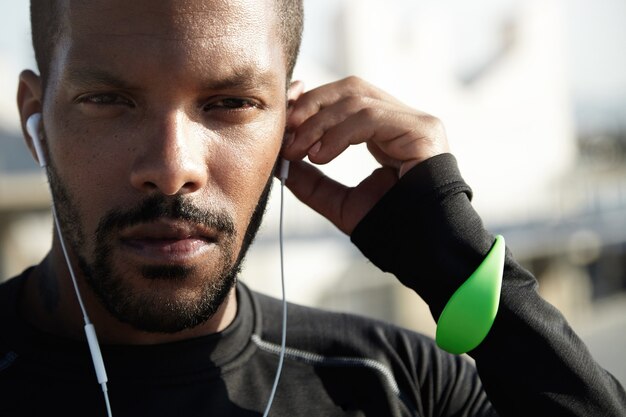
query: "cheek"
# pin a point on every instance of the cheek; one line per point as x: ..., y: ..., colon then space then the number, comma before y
x: 91, y: 177
x: 244, y: 170
x: 83, y: 149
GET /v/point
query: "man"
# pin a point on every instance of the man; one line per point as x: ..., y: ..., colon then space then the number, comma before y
x: 162, y: 123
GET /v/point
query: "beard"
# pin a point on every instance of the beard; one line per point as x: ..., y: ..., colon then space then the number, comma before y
x: 156, y: 311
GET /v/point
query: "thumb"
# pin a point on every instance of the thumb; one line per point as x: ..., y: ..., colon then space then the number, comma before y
x: 344, y: 206
x: 316, y: 190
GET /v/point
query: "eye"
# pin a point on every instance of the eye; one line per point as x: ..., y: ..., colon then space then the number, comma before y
x: 105, y: 99
x: 230, y: 103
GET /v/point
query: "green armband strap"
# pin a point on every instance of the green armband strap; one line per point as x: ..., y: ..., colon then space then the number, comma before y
x: 471, y: 311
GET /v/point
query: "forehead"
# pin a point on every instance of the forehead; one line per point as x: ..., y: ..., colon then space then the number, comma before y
x: 172, y: 18
x: 209, y: 35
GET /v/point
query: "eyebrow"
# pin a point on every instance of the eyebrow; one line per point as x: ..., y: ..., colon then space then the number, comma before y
x: 239, y: 78
x: 247, y: 78
x: 90, y: 77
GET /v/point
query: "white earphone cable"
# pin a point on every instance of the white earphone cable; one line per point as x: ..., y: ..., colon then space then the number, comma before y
x: 284, y: 171
x: 90, y: 331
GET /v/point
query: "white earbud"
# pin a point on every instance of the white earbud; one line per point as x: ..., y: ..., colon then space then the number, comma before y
x: 32, y: 127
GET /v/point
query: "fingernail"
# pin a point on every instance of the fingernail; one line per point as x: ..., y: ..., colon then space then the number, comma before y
x: 315, y: 149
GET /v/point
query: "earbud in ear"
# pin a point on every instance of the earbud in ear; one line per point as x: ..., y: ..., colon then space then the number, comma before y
x: 32, y: 127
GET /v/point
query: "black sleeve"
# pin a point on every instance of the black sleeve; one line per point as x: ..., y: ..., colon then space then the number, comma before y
x: 427, y: 234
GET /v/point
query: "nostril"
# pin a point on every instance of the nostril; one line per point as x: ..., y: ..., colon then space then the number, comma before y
x: 150, y: 186
x: 190, y: 186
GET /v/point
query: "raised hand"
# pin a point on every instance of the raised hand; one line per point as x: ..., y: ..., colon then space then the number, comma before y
x: 323, y: 122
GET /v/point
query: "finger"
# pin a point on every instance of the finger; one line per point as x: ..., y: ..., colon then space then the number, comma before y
x: 314, y: 128
x: 403, y: 136
x: 357, y: 128
x: 316, y: 190
x: 344, y: 206
x: 314, y: 100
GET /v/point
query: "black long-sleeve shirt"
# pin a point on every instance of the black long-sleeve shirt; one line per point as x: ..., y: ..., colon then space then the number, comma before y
x: 426, y: 233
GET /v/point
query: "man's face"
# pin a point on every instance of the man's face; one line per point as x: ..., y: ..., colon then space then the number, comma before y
x: 163, y: 121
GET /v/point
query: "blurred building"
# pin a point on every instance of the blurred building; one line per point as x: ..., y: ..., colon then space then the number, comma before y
x: 25, y: 225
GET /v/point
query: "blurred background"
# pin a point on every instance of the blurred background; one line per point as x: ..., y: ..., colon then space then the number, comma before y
x: 533, y: 96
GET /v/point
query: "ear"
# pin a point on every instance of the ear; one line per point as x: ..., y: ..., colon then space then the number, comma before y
x: 29, y: 101
x: 295, y: 90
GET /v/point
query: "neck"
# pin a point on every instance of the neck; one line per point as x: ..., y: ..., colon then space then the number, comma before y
x: 49, y: 303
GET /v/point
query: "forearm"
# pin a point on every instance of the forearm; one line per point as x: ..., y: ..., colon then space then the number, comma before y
x: 531, y: 363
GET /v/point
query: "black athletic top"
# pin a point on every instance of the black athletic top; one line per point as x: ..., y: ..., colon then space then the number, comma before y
x: 424, y: 231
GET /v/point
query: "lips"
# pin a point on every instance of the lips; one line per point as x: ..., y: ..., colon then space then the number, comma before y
x: 168, y: 242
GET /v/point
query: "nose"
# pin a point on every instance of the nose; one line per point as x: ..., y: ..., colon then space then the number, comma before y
x: 171, y: 158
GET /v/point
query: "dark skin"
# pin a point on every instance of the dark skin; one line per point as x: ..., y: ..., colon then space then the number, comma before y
x: 188, y: 98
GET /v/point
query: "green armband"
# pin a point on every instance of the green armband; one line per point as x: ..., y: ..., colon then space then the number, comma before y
x: 471, y: 311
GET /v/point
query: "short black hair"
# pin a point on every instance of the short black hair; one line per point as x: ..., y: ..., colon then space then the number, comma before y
x: 45, y: 26
x: 290, y: 14
x: 46, y: 29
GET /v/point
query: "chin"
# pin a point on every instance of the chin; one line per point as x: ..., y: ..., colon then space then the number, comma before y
x: 163, y: 299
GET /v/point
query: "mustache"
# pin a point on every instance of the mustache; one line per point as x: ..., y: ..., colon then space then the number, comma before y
x: 166, y: 207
